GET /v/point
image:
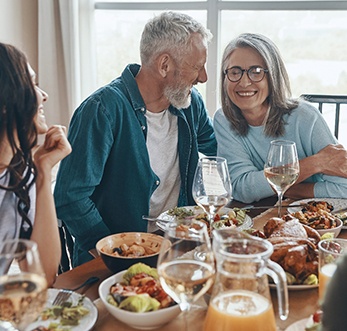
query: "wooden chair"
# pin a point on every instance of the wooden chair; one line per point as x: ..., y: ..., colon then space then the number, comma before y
x: 67, y: 245
x: 321, y: 99
x: 66, y: 241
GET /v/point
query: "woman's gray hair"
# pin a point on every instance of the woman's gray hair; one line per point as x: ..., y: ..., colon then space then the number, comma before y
x: 170, y: 32
x: 280, y: 101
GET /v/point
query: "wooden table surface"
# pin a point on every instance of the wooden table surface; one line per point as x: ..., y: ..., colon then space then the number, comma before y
x: 301, y: 303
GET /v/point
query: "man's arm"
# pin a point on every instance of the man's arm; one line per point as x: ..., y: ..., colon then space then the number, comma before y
x: 207, y: 143
x: 91, y: 138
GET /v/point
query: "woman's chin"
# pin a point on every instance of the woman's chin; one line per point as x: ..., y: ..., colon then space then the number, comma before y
x: 41, y: 128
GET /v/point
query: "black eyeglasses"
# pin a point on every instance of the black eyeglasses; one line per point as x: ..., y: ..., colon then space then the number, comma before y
x: 255, y: 74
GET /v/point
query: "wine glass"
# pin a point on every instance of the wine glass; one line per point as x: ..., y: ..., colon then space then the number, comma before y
x: 186, y: 267
x: 281, y: 167
x: 23, y: 285
x: 211, y: 185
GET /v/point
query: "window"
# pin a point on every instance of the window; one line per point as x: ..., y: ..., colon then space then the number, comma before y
x: 311, y: 36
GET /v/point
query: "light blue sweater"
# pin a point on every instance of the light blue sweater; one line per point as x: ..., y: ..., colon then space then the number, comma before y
x: 246, y: 155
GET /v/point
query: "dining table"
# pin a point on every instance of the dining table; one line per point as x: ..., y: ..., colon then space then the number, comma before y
x: 302, y: 302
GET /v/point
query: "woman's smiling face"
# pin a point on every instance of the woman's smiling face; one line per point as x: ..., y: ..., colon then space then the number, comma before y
x: 42, y: 96
x: 249, y: 96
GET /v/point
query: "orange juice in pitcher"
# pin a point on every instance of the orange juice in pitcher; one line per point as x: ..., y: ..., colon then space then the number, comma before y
x: 240, y: 310
x: 240, y: 299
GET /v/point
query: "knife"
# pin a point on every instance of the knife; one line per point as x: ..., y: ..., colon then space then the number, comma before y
x: 269, y: 207
x: 339, y: 211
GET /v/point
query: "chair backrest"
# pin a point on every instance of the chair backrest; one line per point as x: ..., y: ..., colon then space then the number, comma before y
x: 321, y: 99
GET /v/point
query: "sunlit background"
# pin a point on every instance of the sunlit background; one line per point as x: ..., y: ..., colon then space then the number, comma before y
x: 312, y: 42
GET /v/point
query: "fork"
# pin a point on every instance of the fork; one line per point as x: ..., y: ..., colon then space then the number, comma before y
x: 64, y: 294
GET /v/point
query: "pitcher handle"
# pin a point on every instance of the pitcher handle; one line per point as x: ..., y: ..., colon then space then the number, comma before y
x: 275, y: 271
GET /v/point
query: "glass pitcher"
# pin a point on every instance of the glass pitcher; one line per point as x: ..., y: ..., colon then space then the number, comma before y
x: 241, y: 298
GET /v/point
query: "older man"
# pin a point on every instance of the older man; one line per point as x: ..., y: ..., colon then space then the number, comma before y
x: 136, y: 140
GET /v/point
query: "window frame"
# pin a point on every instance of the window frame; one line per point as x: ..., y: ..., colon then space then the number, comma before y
x: 214, y: 9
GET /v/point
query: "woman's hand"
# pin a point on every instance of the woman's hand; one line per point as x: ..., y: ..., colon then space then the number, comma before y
x: 332, y: 160
x: 54, y: 148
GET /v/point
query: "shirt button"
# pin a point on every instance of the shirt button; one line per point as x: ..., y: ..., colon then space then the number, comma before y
x: 157, y: 182
x: 143, y: 128
x: 143, y: 110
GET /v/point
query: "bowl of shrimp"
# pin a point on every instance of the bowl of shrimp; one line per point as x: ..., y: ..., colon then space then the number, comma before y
x: 121, y: 250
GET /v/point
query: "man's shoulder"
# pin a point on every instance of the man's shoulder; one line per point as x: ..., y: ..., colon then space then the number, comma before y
x: 108, y: 95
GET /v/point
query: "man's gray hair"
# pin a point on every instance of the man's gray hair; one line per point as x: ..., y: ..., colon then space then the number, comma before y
x: 170, y: 32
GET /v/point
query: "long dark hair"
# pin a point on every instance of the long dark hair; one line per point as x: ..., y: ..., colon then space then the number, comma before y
x: 280, y: 100
x: 18, y: 107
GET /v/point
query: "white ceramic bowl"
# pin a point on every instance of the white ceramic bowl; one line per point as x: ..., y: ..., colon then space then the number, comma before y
x: 336, y: 231
x: 142, y: 321
x: 150, y: 241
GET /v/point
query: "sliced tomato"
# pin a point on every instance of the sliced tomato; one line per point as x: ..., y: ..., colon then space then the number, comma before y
x: 217, y: 217
x: 317, y: 316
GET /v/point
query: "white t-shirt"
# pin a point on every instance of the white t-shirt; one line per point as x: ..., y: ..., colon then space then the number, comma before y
x: 10, y: 220
x: 162, y: 145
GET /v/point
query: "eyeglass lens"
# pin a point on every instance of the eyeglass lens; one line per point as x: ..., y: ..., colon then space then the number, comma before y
x: 255, y: 74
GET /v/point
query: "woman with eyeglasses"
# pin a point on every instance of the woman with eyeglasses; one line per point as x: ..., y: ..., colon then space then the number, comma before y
x: 257, y: 108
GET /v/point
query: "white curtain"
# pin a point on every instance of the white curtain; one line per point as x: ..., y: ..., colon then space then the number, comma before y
x: 66, y: 66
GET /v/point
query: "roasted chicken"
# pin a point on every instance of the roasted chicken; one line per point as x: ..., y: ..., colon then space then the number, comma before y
x: 294, y: 246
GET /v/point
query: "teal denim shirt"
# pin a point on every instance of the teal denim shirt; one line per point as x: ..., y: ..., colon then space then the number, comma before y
x: 104, y: 186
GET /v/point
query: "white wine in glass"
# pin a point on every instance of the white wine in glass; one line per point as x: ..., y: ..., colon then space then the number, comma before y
x: 212, y: 186
x: 282, y: 167
x: 23, y: 285
x: 186, y: 270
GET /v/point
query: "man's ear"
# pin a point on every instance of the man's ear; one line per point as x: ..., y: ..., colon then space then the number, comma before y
x: 164, y: 64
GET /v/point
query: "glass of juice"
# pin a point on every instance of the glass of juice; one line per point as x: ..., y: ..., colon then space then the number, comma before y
x: 330, y: 250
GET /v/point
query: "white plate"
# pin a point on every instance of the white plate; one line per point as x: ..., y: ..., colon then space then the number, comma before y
x: 296, y: 287
x: 247, y: 223
x: 297, y: 326
x: 86, y: 322
x: 337, y: 204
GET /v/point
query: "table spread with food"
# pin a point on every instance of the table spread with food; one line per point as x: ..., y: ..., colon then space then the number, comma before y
x: 305, y: 222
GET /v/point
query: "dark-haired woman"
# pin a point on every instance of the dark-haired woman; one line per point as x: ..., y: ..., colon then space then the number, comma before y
x: 26, y: 202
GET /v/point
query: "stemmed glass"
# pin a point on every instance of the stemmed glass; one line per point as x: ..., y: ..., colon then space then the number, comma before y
x: 211, y: 185
x: 282, y: 167
x: 186, y: 266
x: 23, y: 285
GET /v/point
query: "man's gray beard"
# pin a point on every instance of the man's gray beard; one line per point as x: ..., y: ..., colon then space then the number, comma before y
x: 177, y: 97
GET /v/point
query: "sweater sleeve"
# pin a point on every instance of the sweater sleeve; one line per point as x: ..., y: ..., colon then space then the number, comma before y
x: 246, y: 171
x: 325, y: 185
x: 313, y: 134
x: 246, y: 155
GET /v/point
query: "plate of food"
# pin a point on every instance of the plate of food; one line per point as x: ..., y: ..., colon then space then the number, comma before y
x: 226, y: 217
x: 297, y: 287
x: 312, y: 323
x: 295, y: 250
x: 77, y: 314
x: 329, y: 206
x: 298, y: 325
